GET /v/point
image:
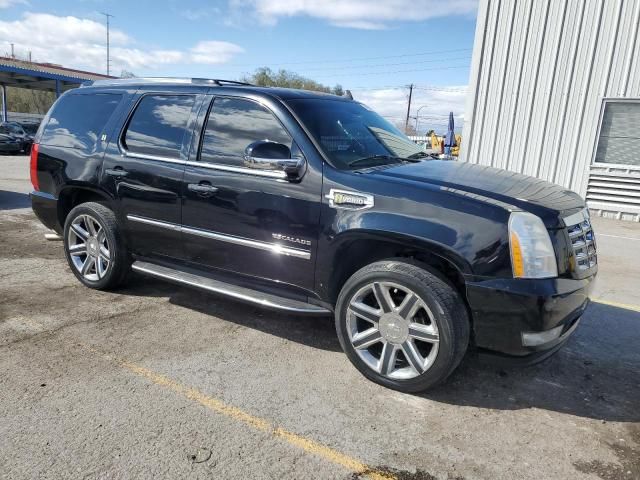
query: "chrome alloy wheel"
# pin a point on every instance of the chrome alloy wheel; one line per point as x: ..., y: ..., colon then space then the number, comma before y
x: 392, y: 330
x: 88, y: 247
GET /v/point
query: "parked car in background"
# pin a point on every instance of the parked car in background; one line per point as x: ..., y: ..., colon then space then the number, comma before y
x: 8, y: 142
x: 30, y: 127
x: 314, y: 204
x: 17, y: 130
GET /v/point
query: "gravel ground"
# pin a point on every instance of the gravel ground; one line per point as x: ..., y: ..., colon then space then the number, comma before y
x: 155, y: 380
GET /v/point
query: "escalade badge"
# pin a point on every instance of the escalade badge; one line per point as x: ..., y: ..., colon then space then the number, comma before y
x: 287, y: 238
x: 349, y: 200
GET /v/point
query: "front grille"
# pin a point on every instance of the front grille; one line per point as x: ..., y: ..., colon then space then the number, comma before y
x: 583, y: 242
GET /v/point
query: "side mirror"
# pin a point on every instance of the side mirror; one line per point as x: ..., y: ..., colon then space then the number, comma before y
x: 274, y: 157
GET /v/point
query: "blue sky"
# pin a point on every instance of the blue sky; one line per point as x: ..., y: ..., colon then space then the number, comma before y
x: 373, y: 48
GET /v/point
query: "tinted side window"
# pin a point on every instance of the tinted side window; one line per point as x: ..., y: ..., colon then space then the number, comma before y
x: 77, y: 121
x: 232, y: 125
x: 159, y: 124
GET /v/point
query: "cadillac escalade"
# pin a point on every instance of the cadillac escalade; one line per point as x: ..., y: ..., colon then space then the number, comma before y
x: 313, y: 204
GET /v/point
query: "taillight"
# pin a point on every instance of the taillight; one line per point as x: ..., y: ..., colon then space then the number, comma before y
x: 34, y: 167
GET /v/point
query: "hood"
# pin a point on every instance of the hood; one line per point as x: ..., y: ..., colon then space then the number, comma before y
x: 6, y: 138
x: 547, y: 200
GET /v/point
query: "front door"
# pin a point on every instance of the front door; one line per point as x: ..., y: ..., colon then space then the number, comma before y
x: 244, y: 220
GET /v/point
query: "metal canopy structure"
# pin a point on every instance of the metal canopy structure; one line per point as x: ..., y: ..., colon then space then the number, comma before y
x: 40, y: 76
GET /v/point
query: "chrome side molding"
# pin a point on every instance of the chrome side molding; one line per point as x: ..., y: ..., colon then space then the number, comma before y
x: 278, y: 175
x: 276, y: 248
x: 239, y: 293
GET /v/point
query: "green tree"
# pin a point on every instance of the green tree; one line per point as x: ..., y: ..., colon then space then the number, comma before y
x: 265, y: 77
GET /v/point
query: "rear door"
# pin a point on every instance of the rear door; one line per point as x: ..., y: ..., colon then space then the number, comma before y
x: 145, y: 166
x: 249, y: 222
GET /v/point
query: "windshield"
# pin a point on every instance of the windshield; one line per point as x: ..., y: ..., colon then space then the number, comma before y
x: 30, y: 128
x: 351, y: 135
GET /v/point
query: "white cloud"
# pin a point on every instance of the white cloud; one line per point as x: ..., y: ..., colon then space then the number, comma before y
x: 214, y: 52
x: 437, y: 101
x: 80, y: 43
x: 10, y: 3
x: 363, y: 14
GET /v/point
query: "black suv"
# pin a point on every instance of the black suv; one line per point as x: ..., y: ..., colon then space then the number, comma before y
x: 312, y: 203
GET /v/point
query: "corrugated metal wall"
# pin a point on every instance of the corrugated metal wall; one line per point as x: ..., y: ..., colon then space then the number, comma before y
x: 539, y: 74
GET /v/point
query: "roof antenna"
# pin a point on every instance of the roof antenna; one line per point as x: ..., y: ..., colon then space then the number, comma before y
x: 347, y: 93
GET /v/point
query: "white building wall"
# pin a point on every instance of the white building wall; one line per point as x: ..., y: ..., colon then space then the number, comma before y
x: 539, y: 74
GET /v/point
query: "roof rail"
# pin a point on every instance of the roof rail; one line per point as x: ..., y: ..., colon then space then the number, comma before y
x: 138, y: 80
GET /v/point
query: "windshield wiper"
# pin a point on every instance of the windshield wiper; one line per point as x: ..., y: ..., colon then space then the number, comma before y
x: 375, y: 160
x: 417, y: 155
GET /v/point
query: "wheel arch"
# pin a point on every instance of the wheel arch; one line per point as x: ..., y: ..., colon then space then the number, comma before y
x: 354, y: 250
x: 74, y: 195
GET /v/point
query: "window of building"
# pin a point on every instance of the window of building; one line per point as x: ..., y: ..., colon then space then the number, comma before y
x: 159, y: 125
x: 234, y: 124
x: 619, y: 141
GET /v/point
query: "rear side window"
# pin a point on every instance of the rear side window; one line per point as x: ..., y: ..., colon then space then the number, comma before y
x: 78, y: 121
x: 159, y: 124
x: 233, y: 124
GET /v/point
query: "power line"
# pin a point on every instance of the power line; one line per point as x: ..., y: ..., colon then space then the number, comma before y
x: 434, y: 88
x: 356, y: 59
x: 433, y: 60
x: 451, y: 67
x: 416, y: 87
x: 443, y: 89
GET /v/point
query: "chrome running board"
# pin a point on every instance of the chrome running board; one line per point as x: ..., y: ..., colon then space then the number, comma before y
x: 239, y: 293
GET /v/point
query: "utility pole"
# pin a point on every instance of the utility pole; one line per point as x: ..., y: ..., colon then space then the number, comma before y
x: 406, y: 122
x: 107, y: 15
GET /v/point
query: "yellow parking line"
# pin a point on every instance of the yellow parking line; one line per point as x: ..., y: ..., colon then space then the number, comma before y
x: 218, y: 406
x: 626, y: 306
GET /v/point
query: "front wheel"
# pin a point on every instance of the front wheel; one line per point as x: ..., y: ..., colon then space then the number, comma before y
x: 402, y: 326
x: 94, y: 246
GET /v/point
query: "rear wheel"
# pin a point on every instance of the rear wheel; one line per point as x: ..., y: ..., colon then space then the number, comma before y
x: 402, y: 326
x: 94, y: 246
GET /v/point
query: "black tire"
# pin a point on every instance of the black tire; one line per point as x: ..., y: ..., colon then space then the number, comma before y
x: 448, y: 312
x: 119, y: 264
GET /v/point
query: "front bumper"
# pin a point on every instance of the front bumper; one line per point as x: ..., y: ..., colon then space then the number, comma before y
x: 505, y: 309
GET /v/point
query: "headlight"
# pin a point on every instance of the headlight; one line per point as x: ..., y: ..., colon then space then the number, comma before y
x: 532, y: 254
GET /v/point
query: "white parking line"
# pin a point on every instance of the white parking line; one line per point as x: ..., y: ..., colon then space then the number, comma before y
x: 617, y: 236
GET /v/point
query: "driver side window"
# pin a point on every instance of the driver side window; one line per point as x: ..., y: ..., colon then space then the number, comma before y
x: 232, y: 125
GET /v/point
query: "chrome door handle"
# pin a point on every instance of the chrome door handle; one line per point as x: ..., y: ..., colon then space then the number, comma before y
x: 116, y: 172
x: 202, y: 188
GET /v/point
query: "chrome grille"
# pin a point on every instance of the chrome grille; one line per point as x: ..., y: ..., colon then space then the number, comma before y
x: 583, y: 242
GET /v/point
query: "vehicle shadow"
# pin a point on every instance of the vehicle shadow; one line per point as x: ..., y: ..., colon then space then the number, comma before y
x: 595, y: 375
x: 13, y: 200
x: 314, y: 331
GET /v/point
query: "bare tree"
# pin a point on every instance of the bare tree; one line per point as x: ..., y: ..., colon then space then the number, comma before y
x: 266, y: 77
x: 29, y: 101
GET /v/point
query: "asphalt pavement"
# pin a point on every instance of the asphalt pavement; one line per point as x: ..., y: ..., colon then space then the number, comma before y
x: 159, y: 381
